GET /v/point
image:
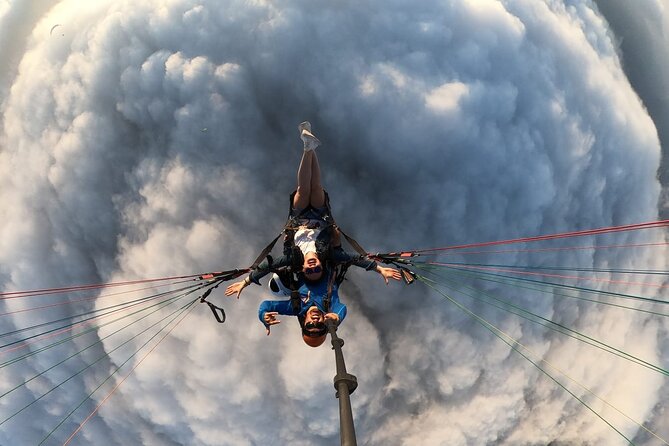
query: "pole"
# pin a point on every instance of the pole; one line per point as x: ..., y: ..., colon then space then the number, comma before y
x: 345, y: 384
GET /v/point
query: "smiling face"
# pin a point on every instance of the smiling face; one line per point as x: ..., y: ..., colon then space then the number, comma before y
x: 314, y: 315
x: 312, y: 267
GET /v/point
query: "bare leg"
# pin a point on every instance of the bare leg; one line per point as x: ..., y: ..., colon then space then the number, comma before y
x: 304, y: 179
x: 317, y: 195
x: 309, y: 188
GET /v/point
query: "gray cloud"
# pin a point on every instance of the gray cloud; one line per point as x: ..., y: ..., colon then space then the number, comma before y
x: 160, y: 139
x: 641, y: 35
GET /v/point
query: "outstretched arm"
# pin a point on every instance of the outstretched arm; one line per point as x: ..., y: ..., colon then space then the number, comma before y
x: 254, y: 277
x: 341, y: 256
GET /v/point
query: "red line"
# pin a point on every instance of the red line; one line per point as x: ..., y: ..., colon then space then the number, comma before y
x: 40, y: 292
x: 77, y: 325
x: 565, y: 248
x: 86, y: 299
x: 647, y: 225
x: 560, y: 276
x: 104, y: 400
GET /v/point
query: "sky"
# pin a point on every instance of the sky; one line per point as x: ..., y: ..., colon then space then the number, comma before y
x: 159, y: 138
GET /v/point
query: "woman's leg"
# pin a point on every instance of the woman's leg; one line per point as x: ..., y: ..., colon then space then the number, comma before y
x: 317, y: 194
x: 302, y: 196
x: 309, y: 188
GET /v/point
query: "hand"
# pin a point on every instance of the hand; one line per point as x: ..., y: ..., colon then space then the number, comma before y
x: 332, y: 317
x: 270, y: 319
x: 236, y: 288
x: 389, y: 273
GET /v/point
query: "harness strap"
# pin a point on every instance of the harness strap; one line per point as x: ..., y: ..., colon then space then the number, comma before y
x: 222, y: 276
x: 214, y: 309
x: 289, y: 231
x: 328, y: 297
x: 265, y: 252
x: 337, y: 271
x: 220, y: 319
x: 341, y: 274
x: 354, y: 244
x: 295, y: 299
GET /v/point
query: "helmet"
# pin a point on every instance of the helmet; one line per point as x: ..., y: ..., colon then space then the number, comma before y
x: 277, y: 287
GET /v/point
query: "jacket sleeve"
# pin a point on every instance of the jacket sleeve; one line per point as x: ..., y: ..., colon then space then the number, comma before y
x: 339, y: 308
x: 341, y: 256
x: 280, y: 306
x: 266, y: 267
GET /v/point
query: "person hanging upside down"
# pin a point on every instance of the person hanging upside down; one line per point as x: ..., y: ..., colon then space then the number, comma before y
x: 312, y: 247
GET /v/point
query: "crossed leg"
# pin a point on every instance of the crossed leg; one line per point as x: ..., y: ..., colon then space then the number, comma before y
x: 309, y: 188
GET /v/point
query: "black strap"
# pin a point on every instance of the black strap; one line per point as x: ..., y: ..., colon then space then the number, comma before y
x: 222, y: 276
x: 295, y: 300
x: 214, y: 309
x: 289, y: 231
x: 354, y: 244
x: 265, y: 252
x: 328, y: 297
x: 341, y: 274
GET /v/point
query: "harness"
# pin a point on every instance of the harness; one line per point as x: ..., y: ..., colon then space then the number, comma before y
x: 323, y: 252
x: 336, y: 271
x: 289, y: 275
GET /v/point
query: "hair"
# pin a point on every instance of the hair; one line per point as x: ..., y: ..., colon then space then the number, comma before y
x: 313, y: 342
x: 314, y: 282
x: 310, y: 340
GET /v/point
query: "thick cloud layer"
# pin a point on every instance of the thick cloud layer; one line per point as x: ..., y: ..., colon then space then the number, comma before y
x: 159, y: 138
x: 641, y: 33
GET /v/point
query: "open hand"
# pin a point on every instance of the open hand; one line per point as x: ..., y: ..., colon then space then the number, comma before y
x: 389, y: 273
x: 235, y: 288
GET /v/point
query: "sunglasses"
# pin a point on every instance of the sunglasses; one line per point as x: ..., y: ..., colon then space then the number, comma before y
x: 314, y: 329
x: 314, y: 270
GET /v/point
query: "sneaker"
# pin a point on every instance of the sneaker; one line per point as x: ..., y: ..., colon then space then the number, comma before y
x: 306, y: 125
x: 310, y: 141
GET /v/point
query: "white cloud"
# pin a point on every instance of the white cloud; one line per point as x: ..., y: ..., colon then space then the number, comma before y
x: 446, y: 98
x: 160, y: 139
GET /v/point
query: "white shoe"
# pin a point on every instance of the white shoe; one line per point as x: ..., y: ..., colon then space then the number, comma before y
x: 310, y: 141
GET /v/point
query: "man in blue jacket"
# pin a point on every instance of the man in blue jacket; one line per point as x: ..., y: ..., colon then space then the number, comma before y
x: 312, y: 311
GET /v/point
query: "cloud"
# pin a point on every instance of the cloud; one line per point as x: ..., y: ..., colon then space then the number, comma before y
x: 160, y: 139
x: 641, y: 34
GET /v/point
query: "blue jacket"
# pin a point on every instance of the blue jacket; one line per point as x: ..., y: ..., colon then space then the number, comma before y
x: 311, y: 294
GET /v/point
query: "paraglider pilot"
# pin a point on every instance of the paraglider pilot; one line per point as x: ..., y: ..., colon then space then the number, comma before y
x: 311, y: 245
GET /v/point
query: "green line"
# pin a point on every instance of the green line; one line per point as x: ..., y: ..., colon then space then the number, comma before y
x: 166, y: 303
x: 82, y: 320
x: 483, y: 275
x: 562, y: 268
x: 551, y: 325
x: 183, y: 310
x: 87, y: 367
x: 92, y: 328
x: 494, y: 331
